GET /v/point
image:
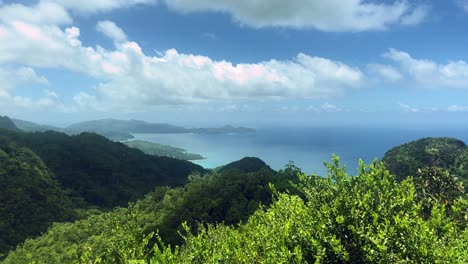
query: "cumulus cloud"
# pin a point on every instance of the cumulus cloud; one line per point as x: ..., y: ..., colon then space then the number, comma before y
x: 41, y: 13
x: 429, y: 73
x: 12, y: 77
x: 330, y: 15
x: 131, y: 79
x: 386, y: 72
x: 111, y: 30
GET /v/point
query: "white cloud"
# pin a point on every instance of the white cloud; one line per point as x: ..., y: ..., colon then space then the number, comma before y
x: 330, y: 15
x: 41, y: 13
x: 132, y: 80
x: 93, y: 6
x: 408, y: 108
x: 429, y: 73
x: 387, y: 72
x: 12, y: 77
x: 111, y: 30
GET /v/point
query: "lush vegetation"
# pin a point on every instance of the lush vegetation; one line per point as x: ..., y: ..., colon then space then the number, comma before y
x: 367, y: 218
x: 243, y: 212
x: 214, y: 198
x: 30, y: 196
x: 445, y: 153
x: 52, y: 177
x: 102, y: 172
x: 162, y: 150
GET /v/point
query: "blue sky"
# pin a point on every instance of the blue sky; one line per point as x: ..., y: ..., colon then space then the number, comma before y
x: 214, y: 62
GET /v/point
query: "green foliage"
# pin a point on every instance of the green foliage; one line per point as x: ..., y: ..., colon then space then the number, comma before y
x: 245, y: 165
x: 125, y: 234
x: 104, y: 238
x: 30, y: 197
x: 446, y: 153
x: 102, y: 172
x: 162, y: 150
x: 369, y: 218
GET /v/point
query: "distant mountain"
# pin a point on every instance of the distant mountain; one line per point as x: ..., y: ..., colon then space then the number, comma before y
x: 163, y: 150
x: 121, y: 130
x: 33, y: 127
x: 7, y: 123
x: 137, y: 126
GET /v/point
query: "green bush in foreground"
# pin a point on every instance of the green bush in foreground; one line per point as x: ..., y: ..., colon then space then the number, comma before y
x: 369, y: 218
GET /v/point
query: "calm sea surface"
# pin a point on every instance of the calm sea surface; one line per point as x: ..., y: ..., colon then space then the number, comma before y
x: 307, y: 147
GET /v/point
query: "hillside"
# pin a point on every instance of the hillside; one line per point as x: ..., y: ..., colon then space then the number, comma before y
x: 30, y: 196
x: 213, y: 198
x: 33, y: 127
x: 6, y: 123
x: 163, y: 150
x: 246, y: 165
x: 446, y: 153
x: 366, y: 218
x: 102, y: 172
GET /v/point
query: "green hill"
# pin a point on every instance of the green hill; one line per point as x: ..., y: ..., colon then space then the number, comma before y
x: 31, y: 198
x: 102, y: 172
x: 32, y: 127
x: 446, y: 153
x: 246, y: 165
x: 6, y: 123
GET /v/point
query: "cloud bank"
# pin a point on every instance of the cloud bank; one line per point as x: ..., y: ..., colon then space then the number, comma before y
x: 329, y: 15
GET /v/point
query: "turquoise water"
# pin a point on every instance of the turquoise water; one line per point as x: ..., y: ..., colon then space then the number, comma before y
x: 307, y: 147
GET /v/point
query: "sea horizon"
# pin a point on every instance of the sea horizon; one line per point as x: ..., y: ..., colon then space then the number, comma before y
x: 307, y: 146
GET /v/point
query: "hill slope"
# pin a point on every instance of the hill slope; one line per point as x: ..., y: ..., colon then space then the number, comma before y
x: 7, y: 123
x: 30, y: 196
x: 103, y: 172
x: 446, y: 153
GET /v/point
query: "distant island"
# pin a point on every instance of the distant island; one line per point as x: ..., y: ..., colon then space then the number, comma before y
x: 163, y: 150
x: 121, y: 130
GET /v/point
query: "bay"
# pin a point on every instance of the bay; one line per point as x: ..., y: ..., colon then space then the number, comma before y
x: 307, y: 147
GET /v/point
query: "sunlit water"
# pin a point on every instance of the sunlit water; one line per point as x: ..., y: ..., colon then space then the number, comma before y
x: 307, y: 147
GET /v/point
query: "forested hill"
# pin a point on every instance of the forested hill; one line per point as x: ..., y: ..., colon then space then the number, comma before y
x: 447, y: 154
x: 7, y: 123
x: 248, y: 213
x: 102, y: 172
x: 30, y: 196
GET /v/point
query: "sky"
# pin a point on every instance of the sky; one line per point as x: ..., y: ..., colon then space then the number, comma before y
x: 241, y: 62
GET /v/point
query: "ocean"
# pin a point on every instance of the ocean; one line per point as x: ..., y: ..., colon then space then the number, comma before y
x: 307, y: 147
